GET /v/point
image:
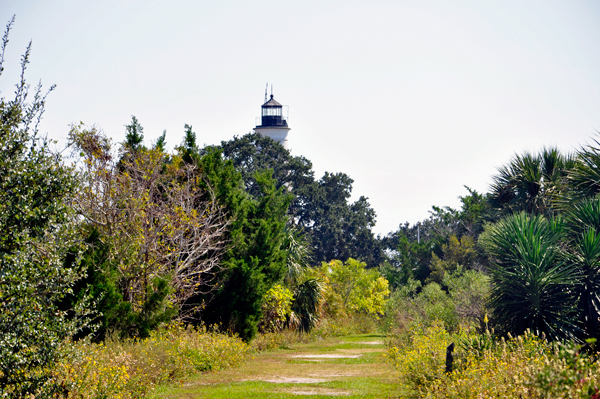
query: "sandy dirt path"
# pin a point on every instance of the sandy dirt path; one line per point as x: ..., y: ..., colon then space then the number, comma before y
x: 349, y: 367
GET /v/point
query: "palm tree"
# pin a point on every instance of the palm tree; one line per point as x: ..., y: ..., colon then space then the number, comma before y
x: 307, y: 296
x: 307, y: 291
x: 546, y: 273
x: 531, y: 280
x: 583, y: 178
x: 529, y: 183
x: 583, y: 225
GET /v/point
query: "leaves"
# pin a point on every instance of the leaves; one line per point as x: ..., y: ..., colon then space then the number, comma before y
x: 350, y: 287
x: 530, y: 183
x: 162, y: 230
x: 39, y: 248
x: 532, y: 284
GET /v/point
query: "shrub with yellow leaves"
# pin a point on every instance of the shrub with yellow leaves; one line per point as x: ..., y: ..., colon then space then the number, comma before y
x: 420, y: 359
x: 130, y: 369
x: 526, y: 366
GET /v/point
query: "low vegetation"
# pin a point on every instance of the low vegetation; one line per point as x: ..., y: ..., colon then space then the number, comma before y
x: 133, y: 368
x: 526, y: 366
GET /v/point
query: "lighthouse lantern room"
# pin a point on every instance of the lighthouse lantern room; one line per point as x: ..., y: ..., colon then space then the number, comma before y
x: 273, y: 123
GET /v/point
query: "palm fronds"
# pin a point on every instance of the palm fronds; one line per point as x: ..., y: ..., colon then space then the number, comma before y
x: 583, y: 223
x: 306, y: 304
x: 532, y: 284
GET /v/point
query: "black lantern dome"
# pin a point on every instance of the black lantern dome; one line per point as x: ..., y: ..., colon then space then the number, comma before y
x: 272, y: 114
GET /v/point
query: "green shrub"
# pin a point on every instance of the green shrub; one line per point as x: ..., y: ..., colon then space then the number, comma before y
x: 349, y: 287
x: 38, y: 247
x: 277, y: 308
x: 464, y: 303
x: 421, y: 359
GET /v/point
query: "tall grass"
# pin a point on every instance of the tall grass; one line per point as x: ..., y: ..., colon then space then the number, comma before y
x: 131, y: 369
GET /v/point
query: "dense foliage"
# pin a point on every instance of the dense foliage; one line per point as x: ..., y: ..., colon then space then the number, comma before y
x: 155, y: 236
x: 256, y: 258
x: 530, y: 278
x: 426, y: 250
x: 335, y: 228
x: 131, y: 369
x: 349, y: 287
x: 38, y: 247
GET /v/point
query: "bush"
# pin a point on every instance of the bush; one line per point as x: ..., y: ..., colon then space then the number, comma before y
x: 462, y: 305
x: 277, y: 308
x: 420, y: 359
x: 484, y: 367
x: 349, y: 287
x: 532, y: 286
x: 38, y: 247
x: 131, y: 369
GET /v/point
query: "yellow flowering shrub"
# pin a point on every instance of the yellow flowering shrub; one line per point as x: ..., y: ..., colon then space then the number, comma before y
x: 504, y: 370
x: 349, y: 287
x: 484, y: 367
x: 421, y: 360
x: 277, y: 307
x: 129, y: 369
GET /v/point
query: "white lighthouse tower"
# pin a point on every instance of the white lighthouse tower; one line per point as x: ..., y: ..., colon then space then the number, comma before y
x: 273, y: 123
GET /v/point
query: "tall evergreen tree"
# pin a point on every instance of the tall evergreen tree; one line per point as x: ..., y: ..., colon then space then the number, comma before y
x: 135, y: 135
x: 256, y: 258
x: 336, y: 228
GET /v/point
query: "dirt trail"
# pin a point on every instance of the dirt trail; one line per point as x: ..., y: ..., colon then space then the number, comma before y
x: 349, y: 367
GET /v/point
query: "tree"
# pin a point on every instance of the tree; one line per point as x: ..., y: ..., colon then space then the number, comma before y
x: 583, y: 178
x: 335, y: 228
x: 545, y: 274
x: 341, y: 230
x: 583, y: 243
x: 411, y: 251
x: 307, y: 291
x: 161, y: 231
x: 457, y: 254
x: 37, y: 239
x: 532, y: 285
x: 135, y: 136
x: 352, y: 288
x: 530, y: 183
x: 254, y: 152
x: 255, y: 259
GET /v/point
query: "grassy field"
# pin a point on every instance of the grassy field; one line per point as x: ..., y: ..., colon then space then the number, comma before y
x: 350, y: 366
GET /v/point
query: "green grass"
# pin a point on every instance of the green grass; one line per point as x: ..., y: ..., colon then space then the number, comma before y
x: 368, y: 376
x: 358, y: 388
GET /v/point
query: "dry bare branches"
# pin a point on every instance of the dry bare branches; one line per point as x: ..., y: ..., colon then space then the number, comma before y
x: 152, y: 212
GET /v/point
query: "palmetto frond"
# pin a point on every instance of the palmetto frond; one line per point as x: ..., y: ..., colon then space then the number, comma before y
x: 298, y: 253
x: 532, y: 284
x: 583, y: 178
x: 530, y: 183
x: 306, y: 304
x: 583, y: 223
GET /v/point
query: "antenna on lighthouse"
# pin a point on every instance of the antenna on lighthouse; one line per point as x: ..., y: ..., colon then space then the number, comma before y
x: 266, y: 89
x: 271, y: 89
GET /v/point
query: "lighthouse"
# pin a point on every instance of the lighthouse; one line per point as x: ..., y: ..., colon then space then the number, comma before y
x: 273, y: 123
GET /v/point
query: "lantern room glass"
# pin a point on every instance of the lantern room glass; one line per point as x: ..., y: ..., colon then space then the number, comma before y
x: 271, y: 111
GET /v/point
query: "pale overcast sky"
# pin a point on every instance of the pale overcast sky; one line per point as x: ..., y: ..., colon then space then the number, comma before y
x: 413, y: 99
